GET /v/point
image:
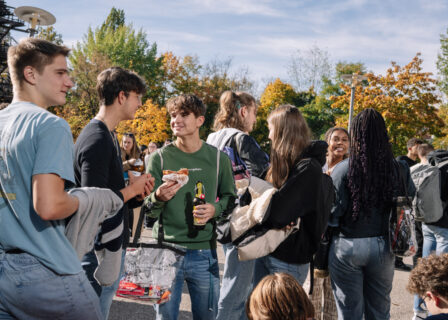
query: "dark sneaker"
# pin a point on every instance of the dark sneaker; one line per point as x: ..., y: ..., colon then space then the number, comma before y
x: 401, y: 266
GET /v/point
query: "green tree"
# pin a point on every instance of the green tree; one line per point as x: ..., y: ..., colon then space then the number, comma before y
x: 112, y: 44
x: 442, y: 62
x: 124, y: 47
x: 49, y: 33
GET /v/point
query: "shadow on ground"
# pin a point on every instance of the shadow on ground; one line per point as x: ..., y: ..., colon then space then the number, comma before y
x: 128, y: 310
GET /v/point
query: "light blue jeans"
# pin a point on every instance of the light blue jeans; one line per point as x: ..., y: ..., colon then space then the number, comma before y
x: 29, y: 290
x: 269, y: 265
x: 361, y: 273
x: 435, y: 239
x: 236, y: 285
x: 199, y: 268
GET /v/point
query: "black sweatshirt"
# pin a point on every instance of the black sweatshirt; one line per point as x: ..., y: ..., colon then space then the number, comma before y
x: 98, y: 163
x: 300, y: 196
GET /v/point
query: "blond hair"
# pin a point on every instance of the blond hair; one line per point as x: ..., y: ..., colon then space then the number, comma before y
x: 279, y: 297
x: 229, y: 105
x: 290, y: 137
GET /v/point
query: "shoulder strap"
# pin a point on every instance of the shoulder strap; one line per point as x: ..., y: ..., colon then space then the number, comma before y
x: 160, y: 233
x: 161, y: 159
x: 217, y: 172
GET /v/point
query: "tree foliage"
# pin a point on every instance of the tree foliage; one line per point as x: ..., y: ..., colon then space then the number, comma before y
x: 113, y: 43
x: 442, y: 62
x: 405, y: 96
x: 186, y: 75
x: 124, y: 47
x: 315, y: 109
x: 275, y: 94
x: 150, y: 124
x: 50, y: 34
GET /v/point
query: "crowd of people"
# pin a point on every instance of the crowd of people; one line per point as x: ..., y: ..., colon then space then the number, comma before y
x: 47, y: 184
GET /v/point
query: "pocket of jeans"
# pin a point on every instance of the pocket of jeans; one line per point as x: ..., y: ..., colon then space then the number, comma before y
x: 26, y: 270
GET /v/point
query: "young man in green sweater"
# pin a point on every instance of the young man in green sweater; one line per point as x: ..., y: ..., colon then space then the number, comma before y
x: 173, y: 205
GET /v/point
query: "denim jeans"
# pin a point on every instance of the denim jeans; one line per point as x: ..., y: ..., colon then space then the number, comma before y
x: 435, y: 239
x: 236, y: 285
x: 361, y: 273
x: 200, y: 270
x: 106, y: 294
x: 29, y: 290
x: 269, y: 265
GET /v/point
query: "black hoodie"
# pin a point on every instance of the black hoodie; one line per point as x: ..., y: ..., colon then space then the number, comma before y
x: 300, y: 196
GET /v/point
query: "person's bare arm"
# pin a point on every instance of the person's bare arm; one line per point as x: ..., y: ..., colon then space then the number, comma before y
x: 50, y: 200
x: 139, y: 186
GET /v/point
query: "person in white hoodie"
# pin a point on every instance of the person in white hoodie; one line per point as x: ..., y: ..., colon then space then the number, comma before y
x: 234, y: 121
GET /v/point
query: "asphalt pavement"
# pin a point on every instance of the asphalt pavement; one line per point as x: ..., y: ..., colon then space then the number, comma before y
x: 124, y: 309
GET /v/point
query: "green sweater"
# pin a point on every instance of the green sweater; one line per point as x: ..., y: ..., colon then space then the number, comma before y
x: 177, y: 215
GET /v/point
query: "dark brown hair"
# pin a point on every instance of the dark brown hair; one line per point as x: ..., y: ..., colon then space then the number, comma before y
x: 229, y: 105
x: 188, y: 103
x: 290, y: 137
x: 37, y: 53
x: 430, y: 274
x: 112, y: 81
x: 279, y: 297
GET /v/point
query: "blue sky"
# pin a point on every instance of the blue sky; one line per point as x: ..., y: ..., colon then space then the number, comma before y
x: 263, y: 34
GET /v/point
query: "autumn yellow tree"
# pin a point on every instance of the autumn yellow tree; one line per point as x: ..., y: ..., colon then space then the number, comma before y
x: 405, y: 96
x: 275, y: 94
x: 150, y: 124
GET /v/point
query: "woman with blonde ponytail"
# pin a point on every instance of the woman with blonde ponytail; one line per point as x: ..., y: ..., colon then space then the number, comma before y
x: 234, y: 121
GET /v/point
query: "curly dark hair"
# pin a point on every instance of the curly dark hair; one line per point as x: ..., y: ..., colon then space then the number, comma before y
x: 430, y: 274
x: 371, y: 169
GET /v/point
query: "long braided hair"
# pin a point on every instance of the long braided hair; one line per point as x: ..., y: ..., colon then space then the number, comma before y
x: 371, y: 169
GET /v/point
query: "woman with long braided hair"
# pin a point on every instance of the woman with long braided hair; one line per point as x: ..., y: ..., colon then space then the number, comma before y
x: 361, y: 263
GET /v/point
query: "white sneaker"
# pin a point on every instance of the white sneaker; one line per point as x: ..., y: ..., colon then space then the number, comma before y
x: 419, y: 315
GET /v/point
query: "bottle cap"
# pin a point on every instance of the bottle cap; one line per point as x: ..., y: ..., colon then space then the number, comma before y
x: 202, y: 196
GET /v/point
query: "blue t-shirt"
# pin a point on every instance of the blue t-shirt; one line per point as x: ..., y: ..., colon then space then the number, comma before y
x: 34, y: 141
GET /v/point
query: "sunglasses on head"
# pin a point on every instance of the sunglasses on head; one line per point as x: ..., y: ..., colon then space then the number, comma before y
x: 129, y: 135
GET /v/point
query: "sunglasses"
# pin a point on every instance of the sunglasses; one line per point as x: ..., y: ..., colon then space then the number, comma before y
x: 129, y: 135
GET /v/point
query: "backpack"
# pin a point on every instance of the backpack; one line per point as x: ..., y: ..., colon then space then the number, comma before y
x: 228, y: 145
x: 427, y: 204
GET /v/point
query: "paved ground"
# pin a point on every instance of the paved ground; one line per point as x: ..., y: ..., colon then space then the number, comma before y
x: 123, y: 309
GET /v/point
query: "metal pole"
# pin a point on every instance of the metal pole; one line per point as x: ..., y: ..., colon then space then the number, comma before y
x: 352, y: 100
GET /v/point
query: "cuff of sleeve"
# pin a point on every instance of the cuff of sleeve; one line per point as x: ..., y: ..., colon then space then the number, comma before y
x: 218, y: 209
x: 156, y: 203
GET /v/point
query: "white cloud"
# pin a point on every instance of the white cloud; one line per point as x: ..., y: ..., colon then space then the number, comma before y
x: 240, y: 7
x: 173, y: 36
